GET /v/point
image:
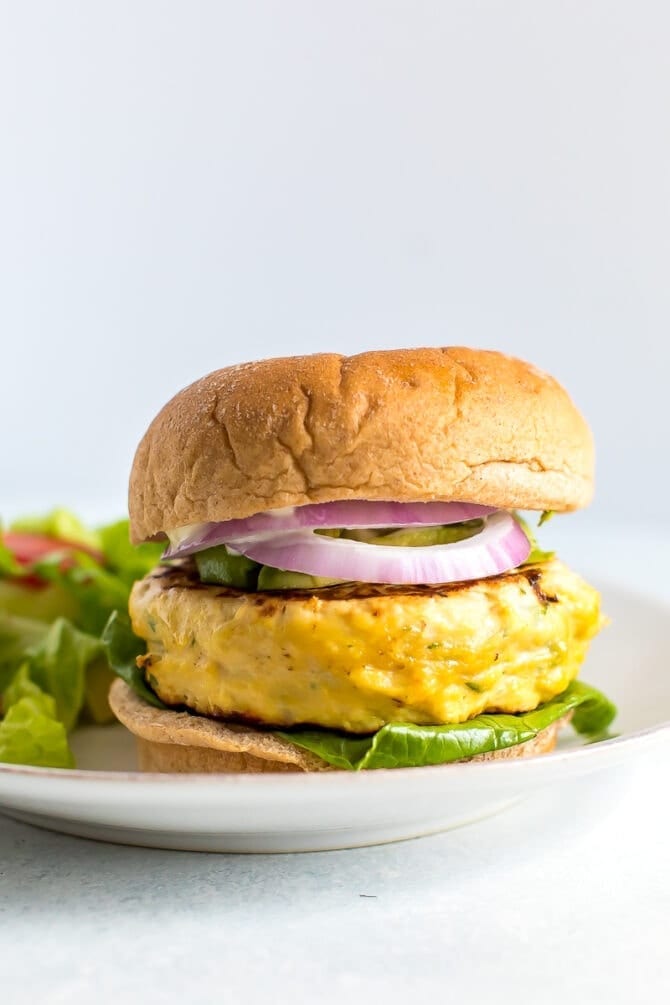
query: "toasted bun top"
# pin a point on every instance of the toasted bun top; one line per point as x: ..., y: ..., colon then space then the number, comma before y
x: 405, y: 425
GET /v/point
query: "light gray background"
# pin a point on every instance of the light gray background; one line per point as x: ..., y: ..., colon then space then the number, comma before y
x: 184, y: 185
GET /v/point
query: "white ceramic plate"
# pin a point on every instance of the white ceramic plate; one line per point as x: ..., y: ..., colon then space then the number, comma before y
x: 107, y: 800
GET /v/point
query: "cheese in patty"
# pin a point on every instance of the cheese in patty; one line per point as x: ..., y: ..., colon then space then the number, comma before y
x: 357, y: 656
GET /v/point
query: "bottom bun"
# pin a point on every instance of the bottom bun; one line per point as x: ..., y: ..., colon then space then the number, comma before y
x: 182, y: 742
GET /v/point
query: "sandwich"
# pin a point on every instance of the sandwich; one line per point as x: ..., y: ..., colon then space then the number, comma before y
x: 348, y: 581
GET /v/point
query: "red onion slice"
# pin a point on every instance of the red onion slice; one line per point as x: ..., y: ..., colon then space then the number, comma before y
x: 501, y: 545
x: 353, y: 514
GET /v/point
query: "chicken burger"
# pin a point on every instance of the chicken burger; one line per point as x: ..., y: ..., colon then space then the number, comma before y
x: 347, y: 581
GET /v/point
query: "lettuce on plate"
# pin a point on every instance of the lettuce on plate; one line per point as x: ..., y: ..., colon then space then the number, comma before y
x: 122, y: 648
x: 59, y: 582
x: 402, y: 745
x: 30, y: 731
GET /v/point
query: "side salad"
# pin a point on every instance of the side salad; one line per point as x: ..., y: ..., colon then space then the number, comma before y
x: 59, y: 583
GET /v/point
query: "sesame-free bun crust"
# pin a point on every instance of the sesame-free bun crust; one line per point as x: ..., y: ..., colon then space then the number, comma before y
x: 181, y: 742
x: 401, y: 425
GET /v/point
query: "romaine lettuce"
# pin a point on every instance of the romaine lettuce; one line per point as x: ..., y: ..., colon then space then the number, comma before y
x: 123, y: 647
x: 536, y: 553
x: 53, y: 669
x: 18, y: 636
x: 401, y: 745
x: 58, y: 665
x: 46, y: 671
x: 30, y: 734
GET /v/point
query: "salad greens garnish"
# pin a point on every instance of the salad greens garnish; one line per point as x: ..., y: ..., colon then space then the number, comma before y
x: 123, y: 647
x: 537, y: 554
x: 59, y: 583
x: 30, y: 731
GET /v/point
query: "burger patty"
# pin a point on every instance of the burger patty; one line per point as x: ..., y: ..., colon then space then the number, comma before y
x: 357, y: 656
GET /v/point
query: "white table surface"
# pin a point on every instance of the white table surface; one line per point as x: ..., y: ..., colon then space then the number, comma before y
x: 564, y: 898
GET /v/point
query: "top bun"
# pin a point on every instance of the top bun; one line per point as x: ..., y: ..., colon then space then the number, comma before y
x: 408, y: 425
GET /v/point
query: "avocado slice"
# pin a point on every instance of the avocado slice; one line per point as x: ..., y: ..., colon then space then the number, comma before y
x: 280, y: 579
x: 218, y: 565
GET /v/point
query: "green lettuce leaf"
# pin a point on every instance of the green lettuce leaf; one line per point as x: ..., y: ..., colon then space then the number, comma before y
x: 402, y: 745
x: 53, y: 665
x: 123, y: 647
x: 30, y: 732
x: 59, y: 664
x: 128, y: 561
x: 57, y: 658
x: 48, y: 674
x: 536, y: 553
x: 68, y: 664
x: 18, y: 636
x: 96, y: 590
x: 594, y: 715
x: 8, y: 564
x: 83, y: 588
x: 21, y: 686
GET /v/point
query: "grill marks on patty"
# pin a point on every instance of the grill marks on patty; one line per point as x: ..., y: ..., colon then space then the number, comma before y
x: 183, y: 574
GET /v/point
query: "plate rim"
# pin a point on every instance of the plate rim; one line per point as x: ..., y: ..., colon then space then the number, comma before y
x: 77, y: 776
